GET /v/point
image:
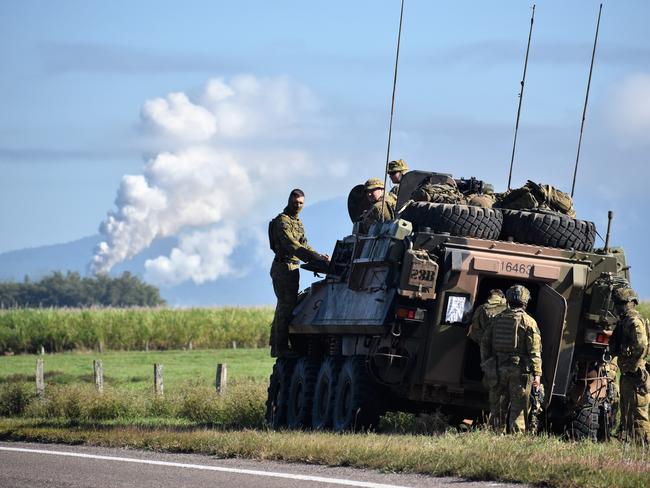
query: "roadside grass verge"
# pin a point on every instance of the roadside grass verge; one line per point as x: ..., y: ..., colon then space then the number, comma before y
x: 240, y: 406
x: 477, y: 455
x: 102, y: 329
x: 133, y: 370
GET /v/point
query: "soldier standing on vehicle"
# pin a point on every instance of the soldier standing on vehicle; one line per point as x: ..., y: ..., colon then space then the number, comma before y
x: 379, y: 210
x: 511, y: 346
x: 396, y: 170
x: 494, y: 305
x: 288, y: 242
x: 630, y: 345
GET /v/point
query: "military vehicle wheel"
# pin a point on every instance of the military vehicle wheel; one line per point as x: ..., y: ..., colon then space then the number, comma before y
x: 547, y: 228
x: 301, y: 393
x: 353, y: 406
x: 584, y: 423
x: 278, y: 392
x: 322, y: 413
x: 457, y: 220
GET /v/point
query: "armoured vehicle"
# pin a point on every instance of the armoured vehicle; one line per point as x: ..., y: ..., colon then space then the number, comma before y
x: 386, y: 328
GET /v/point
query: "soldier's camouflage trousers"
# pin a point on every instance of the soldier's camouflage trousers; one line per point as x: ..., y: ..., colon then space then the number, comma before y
x: 509, y: 398
x: 635, y: 401
x: 286, y: 278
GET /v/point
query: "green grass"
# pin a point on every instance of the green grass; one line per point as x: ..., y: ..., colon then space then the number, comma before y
x: 133, y: 370
x: 57, y: 330
x: 478, y: 455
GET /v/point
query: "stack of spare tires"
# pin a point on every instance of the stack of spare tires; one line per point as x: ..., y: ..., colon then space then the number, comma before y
x: 539, y: 227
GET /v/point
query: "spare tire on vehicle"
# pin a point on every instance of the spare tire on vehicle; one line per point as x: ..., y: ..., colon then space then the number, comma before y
x: 457, y: 220
x: 548, y: 228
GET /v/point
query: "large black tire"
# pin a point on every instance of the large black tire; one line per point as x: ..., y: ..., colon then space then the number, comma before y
x: 325, y: 393
x: 301, y: 393
x: 584, y: 422
x: 549, y: 229
x: 278, y: 393
x: 355, y: 406
x: 457, y: 220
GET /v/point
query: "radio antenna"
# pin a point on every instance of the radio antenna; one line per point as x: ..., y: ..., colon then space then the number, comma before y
x: 392, y: 109
x: 521, y: 97
x: 584, y: 110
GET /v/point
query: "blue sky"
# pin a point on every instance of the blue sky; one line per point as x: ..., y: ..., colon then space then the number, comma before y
x: 77, y: 76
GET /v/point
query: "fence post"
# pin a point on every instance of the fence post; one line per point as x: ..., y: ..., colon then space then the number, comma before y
x: 41, y: 351
x: 40, y: 378
x: 98, y: 373
x: 234, y: 344
x: 158, y: 385
x: 222, y: 377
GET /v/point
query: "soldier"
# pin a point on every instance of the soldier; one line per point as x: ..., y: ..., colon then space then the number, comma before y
x: 379, y: 210
x: 396, y: 170
x: 288, y: 242
x: 630, y: 344
x: 495, y: 304
x: 511, y: 346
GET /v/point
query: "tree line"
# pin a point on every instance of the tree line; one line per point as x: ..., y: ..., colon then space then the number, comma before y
x: 71, y: 290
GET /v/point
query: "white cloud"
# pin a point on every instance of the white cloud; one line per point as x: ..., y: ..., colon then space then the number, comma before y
x: 195, y: 187
x: 178, y: 117
x: 631, y: 110
x: 201, y: 256
x: 215, y: 165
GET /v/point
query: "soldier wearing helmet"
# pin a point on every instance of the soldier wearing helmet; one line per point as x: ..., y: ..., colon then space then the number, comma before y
x: 512, y: 362
x: 396, y: 170
x: 630, y: 344
x: 379, y: 210
x: 494, y: 305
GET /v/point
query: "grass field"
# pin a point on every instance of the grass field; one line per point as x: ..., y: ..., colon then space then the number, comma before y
x: 133, y: 370
x: 134, y: 329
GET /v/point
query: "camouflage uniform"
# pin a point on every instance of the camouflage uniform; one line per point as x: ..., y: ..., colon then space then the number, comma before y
x: 374, y: 213
x: 288, y: 241
x: 396, y: 166
x: 495, y: 304
x: 512, y: 348
x: 630, y: 344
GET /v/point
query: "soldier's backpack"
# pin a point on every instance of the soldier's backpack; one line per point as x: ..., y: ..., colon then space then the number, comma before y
x: 270, y: 231
x: 446, y: 192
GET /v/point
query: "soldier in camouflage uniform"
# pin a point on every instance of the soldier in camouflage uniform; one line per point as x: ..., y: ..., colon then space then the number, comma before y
x: 379, y: 211
x: 396, y: 170
x: 511, y: 346
x: 495, y: 304
x: 630, y: 345
x: 288, y: 242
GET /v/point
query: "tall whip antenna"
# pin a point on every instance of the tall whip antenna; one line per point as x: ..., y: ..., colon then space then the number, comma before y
x: 521, y: 97
x: 584, y: 110
x: 392, y: 109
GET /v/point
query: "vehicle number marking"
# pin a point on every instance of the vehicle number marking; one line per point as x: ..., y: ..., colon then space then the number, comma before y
x: 422, y: 274
x: 517, y: 268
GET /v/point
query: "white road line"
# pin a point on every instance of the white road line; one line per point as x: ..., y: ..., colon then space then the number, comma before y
x: 252, y: 472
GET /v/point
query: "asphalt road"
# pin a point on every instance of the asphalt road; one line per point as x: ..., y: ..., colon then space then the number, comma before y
x: 60, y: 466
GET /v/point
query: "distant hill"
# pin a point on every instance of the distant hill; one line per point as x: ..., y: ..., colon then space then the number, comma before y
x: 324, y: 222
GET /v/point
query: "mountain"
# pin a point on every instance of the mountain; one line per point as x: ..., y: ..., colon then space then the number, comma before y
x: 324, y: 223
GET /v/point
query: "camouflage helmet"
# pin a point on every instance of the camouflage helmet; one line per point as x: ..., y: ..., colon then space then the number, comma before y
x: 518, y: 294
x: 397, y: 165
x: 625, y: 294
x: 374, y: 183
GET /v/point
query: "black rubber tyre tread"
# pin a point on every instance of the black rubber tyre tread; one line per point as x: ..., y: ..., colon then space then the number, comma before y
x: 325, y: 393
x: 278, y: 393
x: 457, y: 220
x: 548, y: 229
x: 301, y: 393
x: 355, y: 407
x: 584, y: 423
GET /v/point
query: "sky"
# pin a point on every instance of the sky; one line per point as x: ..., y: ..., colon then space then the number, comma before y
x: 155, y: 119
